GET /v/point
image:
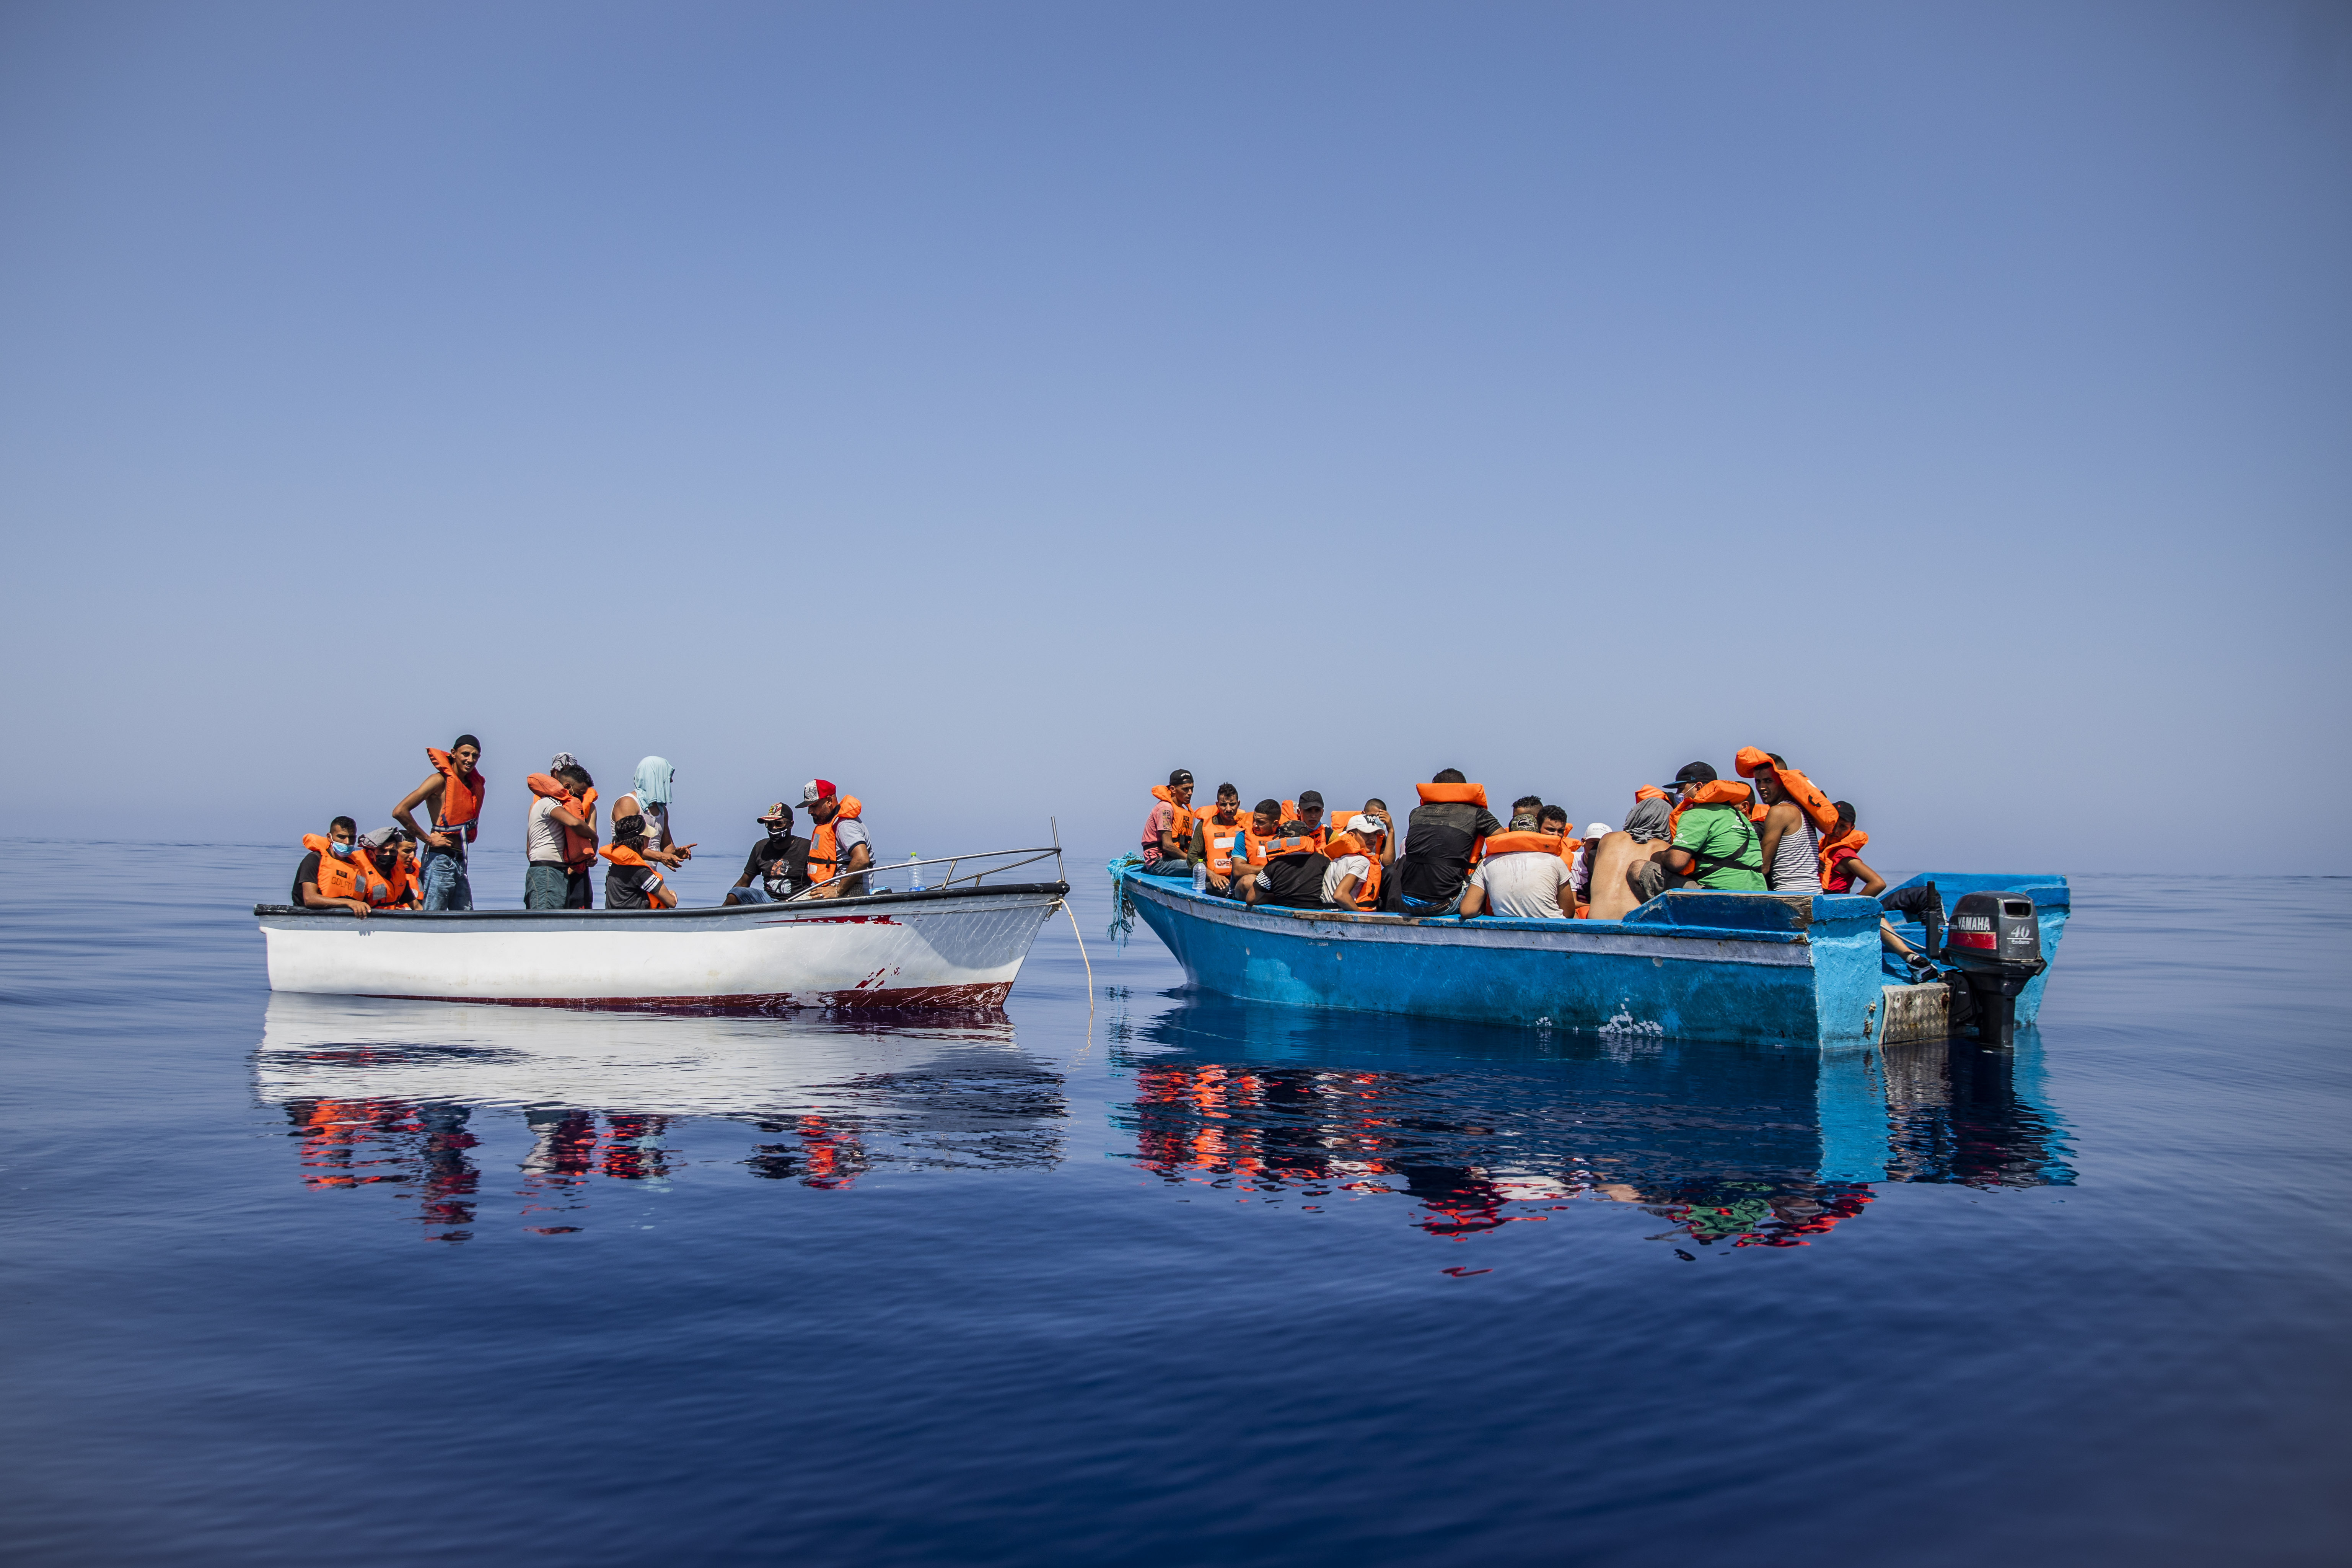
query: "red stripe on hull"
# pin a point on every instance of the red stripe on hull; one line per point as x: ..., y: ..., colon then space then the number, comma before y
x: 908, y: 999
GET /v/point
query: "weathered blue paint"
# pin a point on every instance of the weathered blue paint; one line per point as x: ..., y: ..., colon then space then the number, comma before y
x: 1755, y: 968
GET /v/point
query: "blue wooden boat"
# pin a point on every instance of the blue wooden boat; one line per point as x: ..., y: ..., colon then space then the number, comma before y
x: 1756, y: 968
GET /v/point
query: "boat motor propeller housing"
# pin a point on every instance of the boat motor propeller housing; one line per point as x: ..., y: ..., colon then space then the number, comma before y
x: 1995, y: 939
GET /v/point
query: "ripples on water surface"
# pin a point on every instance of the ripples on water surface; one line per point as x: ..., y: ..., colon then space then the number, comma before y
x: 295, y: 1279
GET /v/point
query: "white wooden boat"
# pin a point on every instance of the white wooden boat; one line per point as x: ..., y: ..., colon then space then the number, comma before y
x: 960, y: 945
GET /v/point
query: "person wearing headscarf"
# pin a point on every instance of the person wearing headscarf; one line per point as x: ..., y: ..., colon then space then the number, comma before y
x: 1614, y: 861
x: 648, y: 798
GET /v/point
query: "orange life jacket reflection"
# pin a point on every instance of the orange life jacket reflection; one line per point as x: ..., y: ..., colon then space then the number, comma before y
x: 825, y: 850
x: 461, y: 797
x: 352, y: 876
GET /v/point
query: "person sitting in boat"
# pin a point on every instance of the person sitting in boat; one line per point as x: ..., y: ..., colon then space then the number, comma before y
x: 1168, y: 826
x: 1353, y: 882
x: 1441, y: 839
x: 648, y: 797
x: 1525, y: 874
x: 840, y: 850
x: 1796, y: 815
x: 334, y: 874
x: 1843, y: 871
x: 1714, y: 844
x: 777, y: 867
x: 1303, y: 818
x: 1216, y: 839
x: 632, y: 882
x: 1614, y: 859
x: 1375, y: 833
x: 454, y: 793
x: 1260, y: 839
x: 391, y: 855
x: 1292, y: 879
x: 1523, y: 813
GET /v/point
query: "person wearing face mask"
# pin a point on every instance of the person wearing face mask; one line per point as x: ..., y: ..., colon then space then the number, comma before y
x: 777, y: 867
x: 334, y: 873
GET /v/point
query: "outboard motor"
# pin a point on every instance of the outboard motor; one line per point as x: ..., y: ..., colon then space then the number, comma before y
x: 1996, y: 941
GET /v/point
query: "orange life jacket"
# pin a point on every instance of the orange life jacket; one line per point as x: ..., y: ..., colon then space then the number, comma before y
x: 1845, y: 846
x: 1648, y: 792
x: 1220, y: 841
x: 825, y: 854
x: 1807, y: 795
x: 1716, y: 792
x: 1181, y: 829
x: 579, y: 842
x: 399, y: 880
x: 461, y: 802
x: 1458, y: 795
x: 1368, y: 888
x: 1257, y: 850
x: 1526, y: 843
x: 346, y: 877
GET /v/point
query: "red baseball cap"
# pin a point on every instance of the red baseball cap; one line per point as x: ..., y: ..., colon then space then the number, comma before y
x: 816, y: 790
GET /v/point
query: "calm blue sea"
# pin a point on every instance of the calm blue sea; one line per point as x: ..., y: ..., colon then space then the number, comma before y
x: 1166, y: 1282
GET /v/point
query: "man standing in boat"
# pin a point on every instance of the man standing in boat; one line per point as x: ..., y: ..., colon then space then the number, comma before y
x: 455, y: 791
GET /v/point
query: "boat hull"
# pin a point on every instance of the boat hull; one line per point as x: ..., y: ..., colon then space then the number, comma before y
x: 960, y: 948
x: 1752, y: 968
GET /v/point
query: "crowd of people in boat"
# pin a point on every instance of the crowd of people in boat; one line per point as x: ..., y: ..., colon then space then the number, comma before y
x: 405, y: 866
x: 1769, y: 830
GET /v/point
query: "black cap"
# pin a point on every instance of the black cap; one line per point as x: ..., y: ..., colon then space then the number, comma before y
x: 1180, y: 776
x: 1307, y: 797
x: 1695, y: 773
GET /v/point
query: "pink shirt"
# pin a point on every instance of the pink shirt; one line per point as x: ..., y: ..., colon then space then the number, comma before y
x: 1161, y: 820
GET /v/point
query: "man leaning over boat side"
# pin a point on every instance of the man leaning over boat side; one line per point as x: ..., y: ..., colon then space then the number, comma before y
x: 455, y: 791
x: 777, y: 867
x: 840, y: 850
x: 1615, y: 859
x: 1168, y: 827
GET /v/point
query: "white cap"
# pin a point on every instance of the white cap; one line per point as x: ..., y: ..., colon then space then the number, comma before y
x: 1598, y: 829
x: 1364, y: 822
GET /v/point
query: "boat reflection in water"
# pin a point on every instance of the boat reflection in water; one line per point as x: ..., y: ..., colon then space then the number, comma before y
x: 1481, y: 1126
x: 413, y: 1095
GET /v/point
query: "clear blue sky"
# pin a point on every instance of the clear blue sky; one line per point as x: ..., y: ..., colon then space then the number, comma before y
x: 991, y: 408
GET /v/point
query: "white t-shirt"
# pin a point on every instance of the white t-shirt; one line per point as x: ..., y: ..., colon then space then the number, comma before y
x: 1357, y: 866
x: 848, y: 833
x: 1525, y: 886
x: 544, y: 833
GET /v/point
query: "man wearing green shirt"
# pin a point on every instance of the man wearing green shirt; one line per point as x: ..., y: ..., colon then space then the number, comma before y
x: 1715, y: 843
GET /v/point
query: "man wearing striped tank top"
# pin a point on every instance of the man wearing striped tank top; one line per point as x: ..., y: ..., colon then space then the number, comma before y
x: 1792, y: 845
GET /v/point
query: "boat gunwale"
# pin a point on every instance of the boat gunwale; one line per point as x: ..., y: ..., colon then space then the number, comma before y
x: 1445, y: 925
x: 775, y: 913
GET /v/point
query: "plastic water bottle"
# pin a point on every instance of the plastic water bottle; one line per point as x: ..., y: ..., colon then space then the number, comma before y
x: 1200, y: 875
x: 913, y: 873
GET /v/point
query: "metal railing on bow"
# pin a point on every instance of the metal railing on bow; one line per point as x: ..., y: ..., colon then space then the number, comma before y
x: 952, y: 862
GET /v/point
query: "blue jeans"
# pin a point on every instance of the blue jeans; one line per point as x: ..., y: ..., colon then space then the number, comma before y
x: 1426, y: 907
x: 750, y: 893
x: 444, y: 876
